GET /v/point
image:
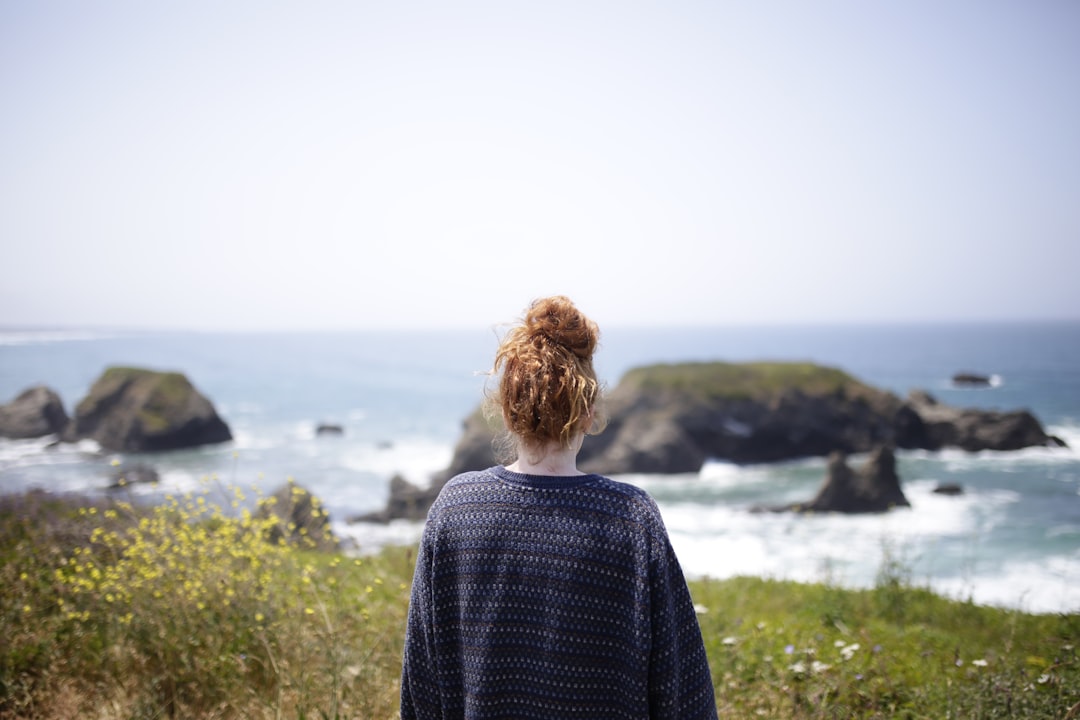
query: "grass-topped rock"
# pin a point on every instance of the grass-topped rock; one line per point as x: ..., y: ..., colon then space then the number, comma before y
x: 136, y: 410
x: 671, y: 418
x: 667, y: 419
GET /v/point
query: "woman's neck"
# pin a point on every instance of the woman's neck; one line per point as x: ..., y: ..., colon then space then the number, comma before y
x: 553, y: 460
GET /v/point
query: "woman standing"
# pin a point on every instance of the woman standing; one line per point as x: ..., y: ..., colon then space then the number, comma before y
x: 542, y: 592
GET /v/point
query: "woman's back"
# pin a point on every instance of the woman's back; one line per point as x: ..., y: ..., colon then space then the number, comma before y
x: 551, y: 597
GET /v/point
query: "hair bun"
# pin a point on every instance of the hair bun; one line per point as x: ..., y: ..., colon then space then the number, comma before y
x: 559, y: 321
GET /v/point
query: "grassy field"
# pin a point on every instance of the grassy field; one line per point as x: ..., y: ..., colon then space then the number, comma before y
x: 111, y: 611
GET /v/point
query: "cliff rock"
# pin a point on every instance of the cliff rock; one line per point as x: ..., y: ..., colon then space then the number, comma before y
x: 137, y: 410
x: 672, y: 418
x: 874, y: 488
x: 36, y: 412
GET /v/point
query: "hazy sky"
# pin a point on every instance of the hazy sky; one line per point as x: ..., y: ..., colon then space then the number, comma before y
x: 311, y: 165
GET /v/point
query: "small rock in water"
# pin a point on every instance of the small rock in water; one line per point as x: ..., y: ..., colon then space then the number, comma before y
x: 969, y: 379
x: 135, y: 475
x: 949, y: 489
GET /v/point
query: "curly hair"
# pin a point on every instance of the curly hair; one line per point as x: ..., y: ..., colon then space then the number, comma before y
x: 548, y: 391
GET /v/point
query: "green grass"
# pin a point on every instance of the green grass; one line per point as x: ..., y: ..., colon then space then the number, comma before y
x: 745, y: 381
x: 111, y: 611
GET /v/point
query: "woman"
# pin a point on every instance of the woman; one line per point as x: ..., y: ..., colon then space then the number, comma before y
x: 541, y: 591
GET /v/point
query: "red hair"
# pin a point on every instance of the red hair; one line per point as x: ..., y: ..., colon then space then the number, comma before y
x: 548, y: 391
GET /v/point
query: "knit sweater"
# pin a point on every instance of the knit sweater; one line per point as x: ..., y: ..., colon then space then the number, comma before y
x: 550, y: 598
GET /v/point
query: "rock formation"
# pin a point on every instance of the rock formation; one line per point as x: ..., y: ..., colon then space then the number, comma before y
x: 406, y: 502
x: 137, y: 474
x: 940, y: 426
x: 303, y: 521
x: 874, y: 488
x: 970, y: 379
x: 672, y: 418
x: 36, y: 412
x: 136, y: 410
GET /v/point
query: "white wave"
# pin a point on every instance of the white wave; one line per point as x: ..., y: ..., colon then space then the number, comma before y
x: 957, y: 460
x: 1048, y: 585
x: 939, y: 536
x: 45, y: 451
x: 172, y: 481
x: 415, y: 459
x: 247, y: 440
x: 367, y: 538
x: 1070, y: 434
x: 37, y: 337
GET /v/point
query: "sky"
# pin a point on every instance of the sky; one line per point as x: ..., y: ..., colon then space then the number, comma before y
x: 348, y: 165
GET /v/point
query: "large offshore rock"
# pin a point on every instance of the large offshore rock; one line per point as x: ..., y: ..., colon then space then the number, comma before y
x: 668, y: 419
x: 137, y: 410
x: 36, y: 412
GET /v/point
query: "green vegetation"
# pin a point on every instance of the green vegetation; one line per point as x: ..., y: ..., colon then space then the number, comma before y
x: 745, y: 381
x: 114, y: 611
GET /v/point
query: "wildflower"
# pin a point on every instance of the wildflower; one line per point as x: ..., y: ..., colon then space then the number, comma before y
x: 788, y: 649
x: 848, y: 651
x: 760, y: 626
x: 978, y: 663
x: 1044, y: 678
x: 700, y: 609
x: 728, y: 641
x: 818, y: 667
x: 308, y: 611
x: 797, y: 667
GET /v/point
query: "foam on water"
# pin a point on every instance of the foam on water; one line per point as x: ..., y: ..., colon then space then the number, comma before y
x: 1051, y: 585
x: 415, y: 459
x: 937, y: 541
x: 363, y: 538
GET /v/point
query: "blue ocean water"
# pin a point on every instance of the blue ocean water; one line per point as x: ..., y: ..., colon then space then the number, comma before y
x: 1012, y: 539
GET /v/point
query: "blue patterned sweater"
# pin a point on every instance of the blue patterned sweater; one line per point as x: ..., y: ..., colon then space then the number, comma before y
x: 550, y: 598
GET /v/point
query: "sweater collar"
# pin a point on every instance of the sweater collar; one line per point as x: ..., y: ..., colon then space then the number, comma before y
x: 542, y: 482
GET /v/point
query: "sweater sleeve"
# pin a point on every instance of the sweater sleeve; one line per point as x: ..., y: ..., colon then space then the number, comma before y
x: 420, y: 697
x: 680, y: 684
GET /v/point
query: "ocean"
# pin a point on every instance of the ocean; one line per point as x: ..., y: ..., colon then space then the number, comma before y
x: 1012, y: 539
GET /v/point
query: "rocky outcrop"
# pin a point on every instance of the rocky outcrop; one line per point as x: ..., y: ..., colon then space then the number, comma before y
x: 406, y: 502
x: 874, y: 488
x: 970, y: 379
x: 137, y: 410
x: 137, y: 474
x: 301, y: 519
x: 672, y: 418
x: 940, y: 426
x: 36, y: 412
